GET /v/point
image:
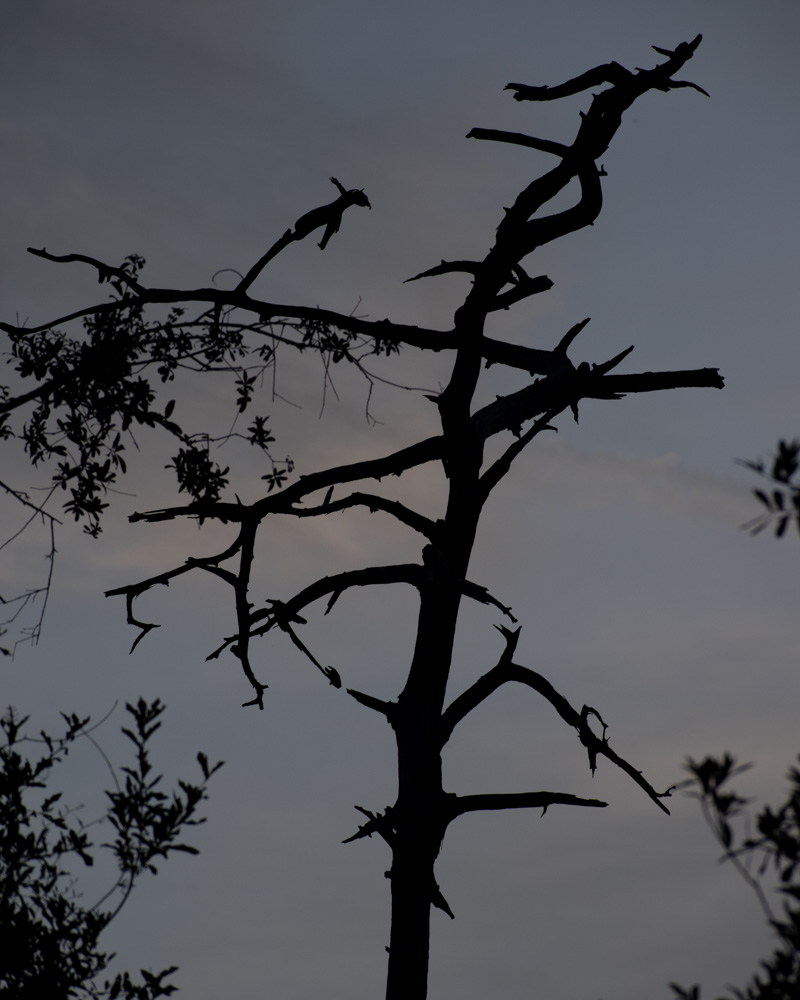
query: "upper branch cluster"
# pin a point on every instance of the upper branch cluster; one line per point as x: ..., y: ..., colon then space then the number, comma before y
x: 91, y: 390
x: 561, y: 386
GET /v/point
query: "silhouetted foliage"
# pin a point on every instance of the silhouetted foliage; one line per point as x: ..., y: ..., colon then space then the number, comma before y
x: 79, y: 419
x: 49, y: 938
x: 775, y: 850
x: 782, y: 501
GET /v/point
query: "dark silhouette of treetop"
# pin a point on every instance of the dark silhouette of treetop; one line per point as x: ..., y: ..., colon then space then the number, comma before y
x: 81, y: 393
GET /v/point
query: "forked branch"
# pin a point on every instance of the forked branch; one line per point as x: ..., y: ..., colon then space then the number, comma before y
x: 613, y: 73
x: 506, y: 671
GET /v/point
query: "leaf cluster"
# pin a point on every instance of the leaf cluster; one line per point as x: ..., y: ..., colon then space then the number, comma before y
x: 782, y: 502
x: 92, y: 388
x: 775, y: 847
x: 50, y: 938
x: 335, y: 344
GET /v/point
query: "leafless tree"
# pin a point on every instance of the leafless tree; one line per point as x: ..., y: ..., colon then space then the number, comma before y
x: 89, y: 390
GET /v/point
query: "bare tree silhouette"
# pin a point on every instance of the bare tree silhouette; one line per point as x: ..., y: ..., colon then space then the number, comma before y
x: 90, y: 389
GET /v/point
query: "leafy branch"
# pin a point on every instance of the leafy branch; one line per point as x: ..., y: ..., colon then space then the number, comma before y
x: 775, y: 847
x: 782, y: 502
x: 50, y: 939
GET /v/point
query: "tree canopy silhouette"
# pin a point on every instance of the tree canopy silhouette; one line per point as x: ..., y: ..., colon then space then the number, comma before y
x: 50, y: 937
x: 771, y: 845
x: 81, y: 394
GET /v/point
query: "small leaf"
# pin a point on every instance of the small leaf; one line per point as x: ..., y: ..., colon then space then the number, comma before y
x: 762, y: 496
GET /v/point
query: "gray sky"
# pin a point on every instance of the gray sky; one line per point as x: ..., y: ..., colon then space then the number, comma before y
x: 195, y: 133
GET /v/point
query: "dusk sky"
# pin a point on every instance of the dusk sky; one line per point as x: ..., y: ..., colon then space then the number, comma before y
x: 194, y: 133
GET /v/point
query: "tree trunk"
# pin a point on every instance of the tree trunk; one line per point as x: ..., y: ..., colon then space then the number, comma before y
x: 418, y: 816
x: 412, y: 875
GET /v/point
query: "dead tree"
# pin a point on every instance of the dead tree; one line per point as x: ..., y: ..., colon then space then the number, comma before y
x: 107, y: 382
